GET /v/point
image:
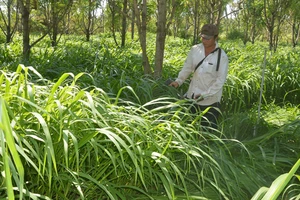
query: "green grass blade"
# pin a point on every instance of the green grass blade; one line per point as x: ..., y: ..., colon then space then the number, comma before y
x: 104, y: 187
x: 56, y: 86
x: 7, y: 171
x: 7, y: 136
x: 260, y: 193
x: 165, y: 175
x: 280, y: 183
x: 49, y: 146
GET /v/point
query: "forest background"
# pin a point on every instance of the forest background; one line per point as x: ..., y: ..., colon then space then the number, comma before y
x: 85, y: 112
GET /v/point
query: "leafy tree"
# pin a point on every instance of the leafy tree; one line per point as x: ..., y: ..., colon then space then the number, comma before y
x: 215, y: 10
x: 54, y: 12
x: 10, y: 18
x: 251, y: 17
x: 115, y: 10
x: 274, y: 13
x: 26, y: 6
x: 295, y: 21
x: 87, y: 16
x: 196, y: 13
x: 180, y: 24
x: 48, y: 17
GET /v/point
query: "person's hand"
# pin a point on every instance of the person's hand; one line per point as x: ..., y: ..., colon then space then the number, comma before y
x: 198, y: 97
x: 174, y: 84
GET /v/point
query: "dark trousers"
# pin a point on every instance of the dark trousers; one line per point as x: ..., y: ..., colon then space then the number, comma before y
x: 210, y: 118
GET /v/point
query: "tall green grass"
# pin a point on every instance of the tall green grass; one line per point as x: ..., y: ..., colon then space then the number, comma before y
x: 281, y: 82
x: 279, y: 185
x: 79, y: 143
x: 114, y: 68
x: 95, y: 127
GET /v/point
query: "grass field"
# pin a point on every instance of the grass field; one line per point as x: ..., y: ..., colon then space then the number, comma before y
x: 81, y: 121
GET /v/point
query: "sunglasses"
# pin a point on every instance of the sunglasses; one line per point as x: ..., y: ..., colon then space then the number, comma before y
x: 206, y: 37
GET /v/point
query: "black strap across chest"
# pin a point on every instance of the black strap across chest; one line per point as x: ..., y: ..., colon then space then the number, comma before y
x: 219, y: 57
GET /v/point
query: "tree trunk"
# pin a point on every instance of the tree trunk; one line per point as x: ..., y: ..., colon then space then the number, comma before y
x: 112, y: 7
x: 124, y: 23
x: 25, y: 7
x: 253, y: 31
x: 141, y: 26
x: 132, y: 24
x: 270, y: 30
x: 216, y: 9
x: 58, y: 13
x: 54, y: 28
x: 245, y: 39
x: 220, y: 12
x: 9, y: 30
x: 8, y: 26
x: 161, y: 33
x: 274, y: 15
x: 89, y: 22
x: 160, y: 37
x: 25, y: 10
x: 196, y: 21
x: 296, y: 32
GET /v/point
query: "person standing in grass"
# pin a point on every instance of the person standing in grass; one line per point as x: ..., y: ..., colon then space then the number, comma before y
x: 209, y: 66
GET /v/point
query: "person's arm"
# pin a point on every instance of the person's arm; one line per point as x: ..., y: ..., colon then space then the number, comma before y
x: 187, y: 68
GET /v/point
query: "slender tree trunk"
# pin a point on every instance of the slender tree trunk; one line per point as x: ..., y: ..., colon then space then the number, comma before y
x: 175, y: 30
x: 163, y: 26
x: 112, y: 6
x: 211, y: 12
x: 276, y: 36
x: 141, y: 26
x: 274, y: 14
x: 88, y: 28
x: 269, y: 21
x: 9, y: 31
x: 67, y: 23
x: 186, y: 27
x: 160, y: 37
x: 196, y: 21
x: 124, y: 23
x: 253, y: 30
x: 246, y: 32
x: 25, y: 10
x: 54, y: 27
x: 56, y: 12
x: 270, y: 39
x: 25, y: 6
x: 296, y: 32
x: 132, y: 24
x: 220, y: 12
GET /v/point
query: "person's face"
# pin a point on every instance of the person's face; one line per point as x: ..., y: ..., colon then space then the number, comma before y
x: 208, y: 41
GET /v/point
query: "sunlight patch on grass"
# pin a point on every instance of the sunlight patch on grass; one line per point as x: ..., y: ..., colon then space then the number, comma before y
x: 278, y: 116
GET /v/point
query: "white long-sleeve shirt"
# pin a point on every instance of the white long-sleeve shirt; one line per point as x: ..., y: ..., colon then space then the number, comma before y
x: 206, y: 81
